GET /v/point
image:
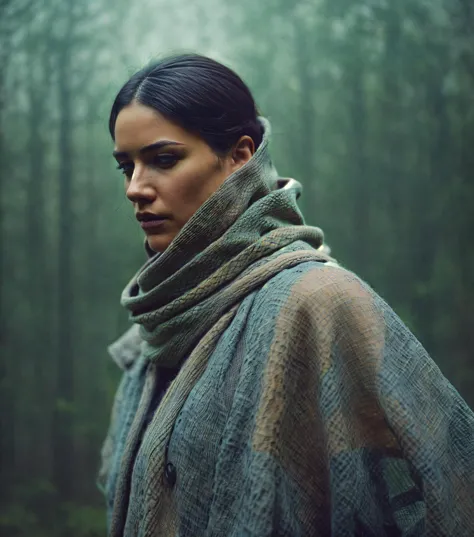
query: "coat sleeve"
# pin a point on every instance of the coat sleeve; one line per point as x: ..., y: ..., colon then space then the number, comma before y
x: 356, y: 431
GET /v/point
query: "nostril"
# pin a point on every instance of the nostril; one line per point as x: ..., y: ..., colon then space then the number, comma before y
x: 140, y: 194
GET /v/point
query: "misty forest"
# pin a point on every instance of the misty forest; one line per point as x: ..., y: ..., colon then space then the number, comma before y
x: 372, y: 108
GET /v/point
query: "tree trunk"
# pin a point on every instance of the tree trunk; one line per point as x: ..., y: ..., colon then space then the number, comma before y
x: 39, y: 295
x: 64, y: 411
x: 429, y: 233
x: 307, y: 120
x: 6, y: 383
x: 392, y: 195
x: 358, y: 179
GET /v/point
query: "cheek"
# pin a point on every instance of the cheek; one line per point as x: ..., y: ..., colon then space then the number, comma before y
x: 191, y: 188
x: 186, y: 188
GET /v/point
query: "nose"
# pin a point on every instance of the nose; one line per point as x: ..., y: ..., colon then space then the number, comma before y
x: 140, y: 188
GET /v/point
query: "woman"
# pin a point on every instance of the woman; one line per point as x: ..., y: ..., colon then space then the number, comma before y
x: 266, y: 390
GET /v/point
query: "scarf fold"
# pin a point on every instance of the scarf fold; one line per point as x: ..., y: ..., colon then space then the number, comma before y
x: 249, y: 221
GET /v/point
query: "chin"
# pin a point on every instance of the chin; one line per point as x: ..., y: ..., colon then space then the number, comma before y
x: 157, y: 243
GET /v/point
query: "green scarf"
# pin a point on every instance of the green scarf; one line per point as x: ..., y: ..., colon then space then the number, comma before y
x: 252, y: 219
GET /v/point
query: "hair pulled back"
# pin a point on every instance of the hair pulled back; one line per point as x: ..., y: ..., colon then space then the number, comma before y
x: 201, y: 95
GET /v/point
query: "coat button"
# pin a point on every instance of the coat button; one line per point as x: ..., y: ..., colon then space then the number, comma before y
x: 170, y: 474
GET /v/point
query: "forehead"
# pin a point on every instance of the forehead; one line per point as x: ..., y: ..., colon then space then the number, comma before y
x: 138, y: 125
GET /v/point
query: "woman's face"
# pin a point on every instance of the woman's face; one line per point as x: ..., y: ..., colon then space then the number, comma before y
x: 169, y: 172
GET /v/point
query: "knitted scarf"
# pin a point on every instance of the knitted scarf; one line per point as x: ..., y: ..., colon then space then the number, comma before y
x: 248, y: 223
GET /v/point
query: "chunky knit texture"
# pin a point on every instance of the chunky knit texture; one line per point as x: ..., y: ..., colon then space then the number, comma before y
x: 246, y: 221
x: 302, y: 407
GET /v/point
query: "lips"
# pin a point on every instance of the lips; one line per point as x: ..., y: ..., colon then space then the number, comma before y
x: 150, y: 220
x: 150, y: 224
x: 143, y: 217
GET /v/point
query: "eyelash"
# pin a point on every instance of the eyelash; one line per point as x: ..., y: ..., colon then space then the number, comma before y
x: 163, y: 161
x: 124, y: 168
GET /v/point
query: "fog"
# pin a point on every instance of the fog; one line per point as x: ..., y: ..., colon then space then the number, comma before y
x: 371, y: 104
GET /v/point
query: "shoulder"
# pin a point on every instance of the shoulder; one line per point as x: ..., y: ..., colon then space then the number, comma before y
x: 324, y: 297
x: 314, y: 284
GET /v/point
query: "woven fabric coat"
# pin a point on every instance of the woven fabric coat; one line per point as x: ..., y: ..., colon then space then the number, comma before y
x: 269, y: 392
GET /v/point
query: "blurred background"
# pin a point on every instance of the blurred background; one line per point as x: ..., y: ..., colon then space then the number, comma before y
x: 372, y: 107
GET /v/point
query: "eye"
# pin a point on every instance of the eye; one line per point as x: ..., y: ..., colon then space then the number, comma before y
x: 126, y: 168
x: 165, y: 161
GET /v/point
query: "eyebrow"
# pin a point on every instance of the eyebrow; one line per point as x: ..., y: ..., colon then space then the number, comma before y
x: 147, y: 148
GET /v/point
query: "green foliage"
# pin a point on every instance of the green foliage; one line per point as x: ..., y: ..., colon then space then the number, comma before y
x: 65, y: 407
x: 85, y: 521
x: 16, y: 521
x: 35, y: 510
x: 70, y: 519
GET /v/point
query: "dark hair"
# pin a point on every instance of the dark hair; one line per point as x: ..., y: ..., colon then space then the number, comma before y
x: 199, y: 94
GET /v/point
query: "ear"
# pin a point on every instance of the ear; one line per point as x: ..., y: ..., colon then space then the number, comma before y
x: 242, y: 152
